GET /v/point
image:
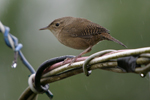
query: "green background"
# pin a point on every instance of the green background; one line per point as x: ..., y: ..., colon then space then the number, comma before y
x: 127, y: 20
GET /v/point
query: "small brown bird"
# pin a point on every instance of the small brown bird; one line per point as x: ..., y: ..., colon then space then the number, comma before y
x: 79, y: 33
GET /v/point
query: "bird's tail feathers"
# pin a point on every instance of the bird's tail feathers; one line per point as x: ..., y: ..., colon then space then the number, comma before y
x: 109, y: 37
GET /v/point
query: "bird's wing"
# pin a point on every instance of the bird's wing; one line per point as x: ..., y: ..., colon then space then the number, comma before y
x: 88, y: 31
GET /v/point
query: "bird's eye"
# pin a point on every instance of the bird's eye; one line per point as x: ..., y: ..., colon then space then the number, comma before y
x: 57, y: 24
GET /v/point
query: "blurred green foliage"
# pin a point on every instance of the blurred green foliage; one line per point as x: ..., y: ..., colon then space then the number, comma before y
x: 128, y: 21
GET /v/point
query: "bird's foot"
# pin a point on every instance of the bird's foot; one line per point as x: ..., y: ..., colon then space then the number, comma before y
x: 70, y: 60
x: 73, y: 60
x: 66, y: 61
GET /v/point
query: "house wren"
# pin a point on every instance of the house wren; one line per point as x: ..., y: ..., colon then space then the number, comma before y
x: 79, y: 33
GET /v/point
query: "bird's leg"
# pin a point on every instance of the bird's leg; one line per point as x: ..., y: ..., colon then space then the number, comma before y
x: 82, y: 53
x: 75, y: 58
x: 85, y: 51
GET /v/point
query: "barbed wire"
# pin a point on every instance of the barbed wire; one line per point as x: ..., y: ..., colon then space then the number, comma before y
x: 52, y: 70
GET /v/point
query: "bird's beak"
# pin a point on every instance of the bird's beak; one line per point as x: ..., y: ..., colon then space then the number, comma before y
x: 44, y: 28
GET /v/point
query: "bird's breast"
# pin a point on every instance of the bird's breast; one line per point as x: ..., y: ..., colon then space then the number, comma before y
x: 73, y: 42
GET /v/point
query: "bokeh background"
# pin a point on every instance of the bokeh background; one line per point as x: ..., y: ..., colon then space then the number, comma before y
x: 127, y: 20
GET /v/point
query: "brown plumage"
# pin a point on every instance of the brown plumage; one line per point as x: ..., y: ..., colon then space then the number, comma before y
x: 79, y: 33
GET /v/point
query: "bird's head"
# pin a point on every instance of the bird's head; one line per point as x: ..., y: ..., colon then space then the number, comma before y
x: 58, y: 24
